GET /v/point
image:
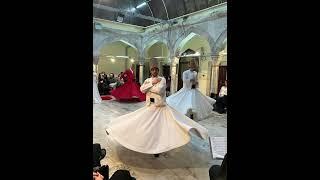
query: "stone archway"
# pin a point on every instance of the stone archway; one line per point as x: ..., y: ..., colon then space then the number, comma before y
x: 116, y: 56
x: 197, y: 31
x: 205, y: 61
x: 153, y: 40
x: 100, y: 40
x: 163, y: 57
x: 218, y: 45
x: 220, y: 60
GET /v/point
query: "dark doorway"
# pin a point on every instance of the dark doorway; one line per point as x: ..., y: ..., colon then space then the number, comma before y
x: 222, y: 76
x: 137, y: 72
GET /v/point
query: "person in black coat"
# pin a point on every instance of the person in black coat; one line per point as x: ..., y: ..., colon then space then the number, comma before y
x: 102, y: 172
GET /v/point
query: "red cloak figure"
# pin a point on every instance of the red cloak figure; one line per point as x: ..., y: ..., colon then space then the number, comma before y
x: 130, y: 90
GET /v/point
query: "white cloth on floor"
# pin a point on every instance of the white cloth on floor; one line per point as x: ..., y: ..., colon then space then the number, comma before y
x: 96, y: 95
x: 188, y: 99
x: 156, y: 127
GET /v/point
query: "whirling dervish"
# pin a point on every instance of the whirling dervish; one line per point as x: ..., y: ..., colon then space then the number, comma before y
x: 156, y: 127
x: 189, y: 100
x: 130, y: 90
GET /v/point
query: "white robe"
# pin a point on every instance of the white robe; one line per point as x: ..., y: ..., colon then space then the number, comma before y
x: 156, y: 127
x: 223, y: 91
x: 187, y: 99
x: 96, y: 96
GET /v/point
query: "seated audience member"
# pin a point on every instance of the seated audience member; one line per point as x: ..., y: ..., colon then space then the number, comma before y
x: 102, y: 172
x: 217, y: 172
x: 221, y: 103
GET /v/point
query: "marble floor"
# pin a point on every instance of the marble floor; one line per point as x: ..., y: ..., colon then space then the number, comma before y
x: 190, y: 162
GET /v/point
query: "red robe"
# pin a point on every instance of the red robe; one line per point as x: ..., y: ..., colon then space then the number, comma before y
x: 130, y: 89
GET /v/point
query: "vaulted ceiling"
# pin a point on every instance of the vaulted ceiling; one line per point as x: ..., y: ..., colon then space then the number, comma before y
x: 149, y: 12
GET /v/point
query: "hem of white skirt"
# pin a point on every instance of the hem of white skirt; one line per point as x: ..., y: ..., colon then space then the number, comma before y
x: 143, y: 151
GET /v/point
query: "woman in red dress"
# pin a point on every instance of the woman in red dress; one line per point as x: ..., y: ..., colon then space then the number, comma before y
x: 130, y: 90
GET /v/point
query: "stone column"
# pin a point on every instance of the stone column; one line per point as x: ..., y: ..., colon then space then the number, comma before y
x: 174, y: 74
x: 214, y: 75
x: 95, y: 62
x: 141, y: 72
x: 209, y: 78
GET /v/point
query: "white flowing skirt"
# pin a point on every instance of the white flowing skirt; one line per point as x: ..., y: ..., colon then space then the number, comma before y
x: 96, y: 96
x: 153, y: 130
x: 186, y: 100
